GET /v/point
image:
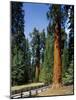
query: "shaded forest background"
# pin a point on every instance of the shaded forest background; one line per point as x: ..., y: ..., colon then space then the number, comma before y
x: 33, y: 61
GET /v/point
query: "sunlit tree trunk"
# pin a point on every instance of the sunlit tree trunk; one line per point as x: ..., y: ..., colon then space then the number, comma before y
x: 37, y: 65
x: 37, y: 72
x: 57, y: 71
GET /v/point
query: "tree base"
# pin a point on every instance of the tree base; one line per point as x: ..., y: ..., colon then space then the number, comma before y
x: 56, y: 85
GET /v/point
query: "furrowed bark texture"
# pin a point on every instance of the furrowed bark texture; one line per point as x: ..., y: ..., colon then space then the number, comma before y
x: 57, y: 71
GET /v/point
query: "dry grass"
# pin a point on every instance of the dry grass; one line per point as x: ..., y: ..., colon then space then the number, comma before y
x: 26, y: 86
x: 65, y: 90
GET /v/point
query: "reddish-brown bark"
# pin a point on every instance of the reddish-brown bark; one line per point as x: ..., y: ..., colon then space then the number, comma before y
x: 57, y: 71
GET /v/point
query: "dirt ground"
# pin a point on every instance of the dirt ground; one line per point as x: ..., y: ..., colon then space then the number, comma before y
x: 65, y: 90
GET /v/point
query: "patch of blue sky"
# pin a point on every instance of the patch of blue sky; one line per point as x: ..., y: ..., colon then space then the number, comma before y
x: 35, y: 16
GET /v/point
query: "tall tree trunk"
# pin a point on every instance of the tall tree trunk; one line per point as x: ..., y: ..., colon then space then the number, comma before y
x: 57, y: 71
x: 37, y: 72
x: 37, y: 65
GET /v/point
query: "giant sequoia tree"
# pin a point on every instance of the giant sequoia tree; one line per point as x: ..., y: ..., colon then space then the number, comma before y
x: 57, y: 50
x: 35, y: 43
x: 57, y: 14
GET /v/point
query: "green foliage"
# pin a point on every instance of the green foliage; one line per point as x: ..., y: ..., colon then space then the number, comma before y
x: 42, y: 45
x: 45, y: 74
x: 25, y: 55
x: 65, y: 58
x: 61, y: 12
x: 17, y: 18
x: 69, y: 56
x: 46, y: 70
x: 71, y: 34
x: 20, y: 52
x: 69, y: 76
x: 36, y: 47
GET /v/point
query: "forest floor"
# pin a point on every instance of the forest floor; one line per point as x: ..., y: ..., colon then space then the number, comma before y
x: 65, y: 90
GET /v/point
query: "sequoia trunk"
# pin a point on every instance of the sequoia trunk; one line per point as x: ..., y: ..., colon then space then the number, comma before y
x: 37, y: 65
x: 37, y: 72
x: 57, y: 71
